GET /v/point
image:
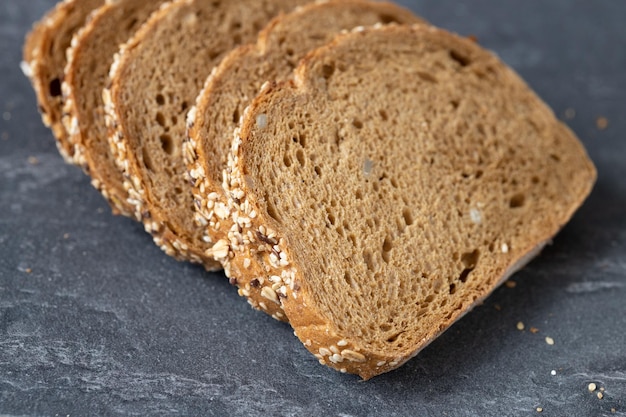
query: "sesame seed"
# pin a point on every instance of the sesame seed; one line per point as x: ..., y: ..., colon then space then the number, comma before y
x: 324, y: 352
x: 342, y: 343
x: 520, y: 326
x: 600, y: 395
x: 270, y: 294
x: 334, y: 349
x: 261, y: 121
x: 343, y: 370
x: 592, y: 387
x: 336, y: 358
x: 505, y: 248
x: 539, y: 409
x: 476, y: 216
x: 549, y: 340
x: 553, y: 372
x: 352, y: 355
x: 246, y: 263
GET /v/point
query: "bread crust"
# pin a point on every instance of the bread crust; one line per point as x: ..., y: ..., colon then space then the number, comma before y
x: 89, y: 59
x: 177, y: 239
x: 44, y: 62
x: 339, y: 348
x: 268, y: 59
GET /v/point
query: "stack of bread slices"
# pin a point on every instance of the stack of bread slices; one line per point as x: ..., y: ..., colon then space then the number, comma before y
x: 357, y: 172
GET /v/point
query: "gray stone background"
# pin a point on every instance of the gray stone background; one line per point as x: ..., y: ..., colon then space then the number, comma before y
x: 95, y: 320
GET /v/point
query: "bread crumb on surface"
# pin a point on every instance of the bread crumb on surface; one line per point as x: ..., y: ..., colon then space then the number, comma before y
x: 592, y: 387
x: 570, y: 113
x: 5, y: 135
x: 33, y: 160
x: 510, y: 284
x: 28, y: 270
x: 602, y: 123
x: 6, y: 116
x: 549, y: 340
x: 520, y: 325
x: 534, y: 330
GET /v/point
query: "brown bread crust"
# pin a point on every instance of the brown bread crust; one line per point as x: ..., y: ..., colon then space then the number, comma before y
x: 229, y: 90
x: 45, y: 60
x: 154, y: 80
x: 89, y: 60
x: 422, y: 173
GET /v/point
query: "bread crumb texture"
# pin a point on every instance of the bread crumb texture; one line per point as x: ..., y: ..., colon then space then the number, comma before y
x: 221, y: 104
x: 367, y: 176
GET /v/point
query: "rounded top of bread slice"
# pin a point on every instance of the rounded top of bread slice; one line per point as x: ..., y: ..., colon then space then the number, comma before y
x: 154, y: 81
x: 404, y: 174
x: 45, y: 61
x: 89, y: 60
x: 233, y: 85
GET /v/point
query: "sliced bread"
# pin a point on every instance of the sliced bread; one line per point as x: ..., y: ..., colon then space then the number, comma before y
x: 44, y: 62
x: 153, y: 82
x: 231, y: 88
x: 89, y: 60
x: 402, y: 176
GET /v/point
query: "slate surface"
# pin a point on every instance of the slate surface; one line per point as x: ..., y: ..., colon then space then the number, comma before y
x: 95, y: 320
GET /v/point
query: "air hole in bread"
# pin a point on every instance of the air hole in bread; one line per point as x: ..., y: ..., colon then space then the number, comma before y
x: 481, y: 129
x: 425, y: 76
x: 328, y: 70
x: 287, y: 161
x: 452, y: 289
x: 383, y: 115
x: 394, y: 337
x: 331, y: 218
x: 300, y: 157
x: 167, y: 144
x: 271, y: 210
x: 147, y: 161
x: 555, y: 157
x: 131, y: 25
x: 160, y: 119
x: 237, y: 39
x: 55, y: 87
x: 459, y: 58
x: 387, y: 247
x: 454, y: 104
x: 407, y: 216
x: 302, y: 139
x: 387, y: 18
x: 236, y: 115
x: 517, y: 201
x: 174, y: 120
x: 479, y: 174
x: 160, y: 99
x: 357, y: 123
x: 318, y: 171
x: 184, y: 106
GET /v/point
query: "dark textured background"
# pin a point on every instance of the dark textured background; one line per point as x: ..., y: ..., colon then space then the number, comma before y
x: 95, y: 320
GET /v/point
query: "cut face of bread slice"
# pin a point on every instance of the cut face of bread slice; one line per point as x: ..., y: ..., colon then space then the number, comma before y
x: 403, y: 175
x: 89, y: 60
x: 230, y: 90
x: 154, y: 81
x: 45, y: 60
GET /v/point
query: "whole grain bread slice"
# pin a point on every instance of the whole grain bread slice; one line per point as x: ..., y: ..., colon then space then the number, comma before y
x: 89, y: 60
x: 230, y: 89
x: 403, y: 175
x: 153, y: 82
x: 44, y: 60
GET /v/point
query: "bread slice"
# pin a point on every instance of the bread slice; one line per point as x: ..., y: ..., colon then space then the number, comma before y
x: 402, y: 176
x: 44, y: 62
x: 232, y: 86
x: 89, y: 60
x: 154, y: 81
